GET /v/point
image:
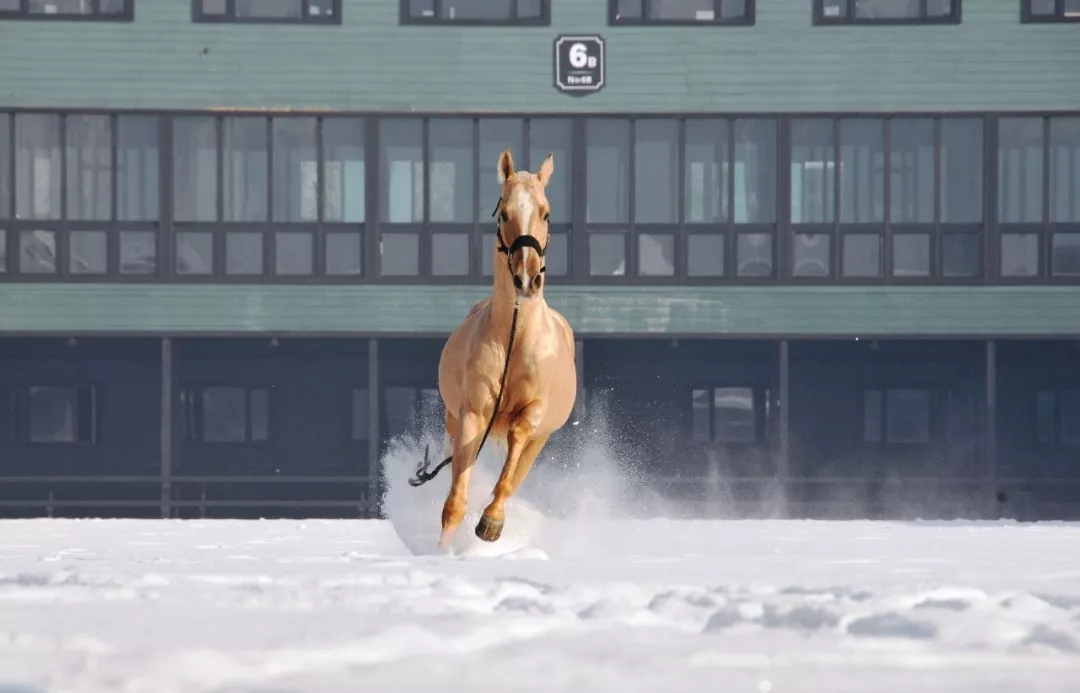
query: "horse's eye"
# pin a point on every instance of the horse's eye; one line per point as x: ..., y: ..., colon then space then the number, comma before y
x: 504, y: 216
x: 547, y: 215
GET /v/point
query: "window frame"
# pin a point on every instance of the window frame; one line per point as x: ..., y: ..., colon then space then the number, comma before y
x: 229, y: 16
x: 1058, y: 17
x: 405, y: 17
x: 19, y: 427
x: 24, y: 14
x: 748, y: 19
x: 955, y: 16
x: 761, y: 399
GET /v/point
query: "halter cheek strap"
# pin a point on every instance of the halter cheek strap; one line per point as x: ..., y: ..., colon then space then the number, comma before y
x: 522, y: 241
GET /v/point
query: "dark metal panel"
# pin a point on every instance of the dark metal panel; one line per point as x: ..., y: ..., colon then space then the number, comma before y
x: 166, y: 425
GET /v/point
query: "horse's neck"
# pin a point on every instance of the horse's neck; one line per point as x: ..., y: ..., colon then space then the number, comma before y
x: 503, y: 298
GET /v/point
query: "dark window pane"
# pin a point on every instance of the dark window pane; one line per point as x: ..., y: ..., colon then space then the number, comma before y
x: 608, y: 166
x: 938, y: 8
x: 734, y: 412
x: 1044, y: 417
x: 705, y: 255
x: 1065, y: 251
x: 834, y: 9
x: 872, y: 406
x: 451, y: 179
x: 960, y: 254
x: 629, y: 9
x: 295, y: 253
x: 137, y: 168
x: 700, y: 430
x: 37, y: 252
x: 61, y: 414
x: 530, y: 9
x: 887, y: 9
x: 607, y: 254
x: 72, y: 7
x: 361, y: 427
x: 260, y: 414
x: 813, y: 253
x: 1041, y: 7
x: 813, y: 179
x: 1019, y: 254
x: 682, y: 10
x: 476, y: 9
x: 10, y: 5
x: 195, y: 172
x: 138, y: 252
x: 224, y: 418
x: 401, y: 163
x: 422, y: 8
x: 557, y: 255
x: 1070, y: 417
x: 707, y: 171
x: 5, y: 166
x: 553, y: 135
x: 733, y: 9
x: 497, y: 135
x: 1065, y: 169
x: 244, y: 171
x: 656, y: 171
x: 37, y: 166
x: 911, y: 177
x: 3, y: 251
x: 862, y: 255
x: 243, y: 252
x: 87, y: 252
x: 962, y: 170
x: 344, y: 170
x: 907, y: 416
x: 755, y: 171
x: 1020, y: 170
x: 89, y: 167
x: 449, y: 254
x: 295, y: 168
x: 343, y: 253
x: 400, y: 254
x: 194, y: 252
x: 216, y: 7
x: 656, y: 254
x: 275, y: 9
x: 753, y: 255
x: 911, y: 255
x: 862, y: 166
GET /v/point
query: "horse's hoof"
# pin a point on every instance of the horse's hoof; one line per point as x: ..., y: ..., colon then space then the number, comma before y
x: 488, y: 529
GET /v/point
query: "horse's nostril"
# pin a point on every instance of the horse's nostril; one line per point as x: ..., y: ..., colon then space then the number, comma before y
x: 517, y: 281
x: 537, y: 281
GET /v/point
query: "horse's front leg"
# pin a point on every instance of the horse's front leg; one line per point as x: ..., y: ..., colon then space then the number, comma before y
x: 521, y: 451
x: 465, y: 445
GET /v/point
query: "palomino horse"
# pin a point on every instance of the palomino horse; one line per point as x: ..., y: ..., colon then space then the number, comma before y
x: 510, y: 364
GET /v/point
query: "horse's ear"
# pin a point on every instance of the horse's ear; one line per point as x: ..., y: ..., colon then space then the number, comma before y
x: 546, y: 168
x: 506, y: 166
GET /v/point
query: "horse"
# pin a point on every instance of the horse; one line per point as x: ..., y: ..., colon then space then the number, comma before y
x: 510, y: 362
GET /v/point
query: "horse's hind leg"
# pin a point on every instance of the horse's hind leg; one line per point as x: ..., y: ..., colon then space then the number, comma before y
x: 464, y: 444
x: 522, y: 449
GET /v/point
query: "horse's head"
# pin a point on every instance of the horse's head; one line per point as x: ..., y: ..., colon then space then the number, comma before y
x: 523, y: 223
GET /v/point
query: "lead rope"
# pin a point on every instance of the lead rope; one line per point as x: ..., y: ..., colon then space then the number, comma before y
x: 423, y: 473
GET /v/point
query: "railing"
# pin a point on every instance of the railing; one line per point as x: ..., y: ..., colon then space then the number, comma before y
x: 1018, y: 492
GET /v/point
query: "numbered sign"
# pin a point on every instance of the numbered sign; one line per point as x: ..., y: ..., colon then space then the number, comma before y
x: 579, y: 64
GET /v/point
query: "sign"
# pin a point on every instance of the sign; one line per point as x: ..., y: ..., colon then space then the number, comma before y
x: 579, y: 64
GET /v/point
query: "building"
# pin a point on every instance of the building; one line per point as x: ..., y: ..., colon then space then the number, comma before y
x: 822, y: 256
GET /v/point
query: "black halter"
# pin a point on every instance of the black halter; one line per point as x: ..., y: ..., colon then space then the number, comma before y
x: 522, y: 241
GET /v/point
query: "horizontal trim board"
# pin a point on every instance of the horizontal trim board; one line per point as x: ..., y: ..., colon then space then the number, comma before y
x: 765, y: 311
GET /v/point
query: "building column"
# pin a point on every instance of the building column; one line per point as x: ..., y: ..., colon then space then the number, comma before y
x: 166, y: 426
x: 374, y: 469
x: 990, y: 434
x: 783, y: 462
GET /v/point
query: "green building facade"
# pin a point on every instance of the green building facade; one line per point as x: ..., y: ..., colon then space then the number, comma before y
x: 822, y: 257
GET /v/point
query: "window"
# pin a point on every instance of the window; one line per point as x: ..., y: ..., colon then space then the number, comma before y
x: 886, y: 12
x: 896, y: 416
x: 344, y: 194
x: 728, y: 415
x: 281, y: 11
x: 511, y: 12
x: 1057, y: 418
x: 225, y: 414
x: 1049, y: 11
x: 92, y: 10
x: 5, y: 166
x: 61, y: 414
x: 685, y: 12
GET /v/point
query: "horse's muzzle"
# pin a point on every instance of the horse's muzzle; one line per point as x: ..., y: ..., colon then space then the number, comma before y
x: 532, y: 289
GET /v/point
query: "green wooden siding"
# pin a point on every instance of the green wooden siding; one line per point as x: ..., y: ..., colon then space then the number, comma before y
x: 162, y: 60
x: 368, y: 310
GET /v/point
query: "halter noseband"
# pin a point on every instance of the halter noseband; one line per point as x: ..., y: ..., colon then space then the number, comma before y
x: 522, y: 241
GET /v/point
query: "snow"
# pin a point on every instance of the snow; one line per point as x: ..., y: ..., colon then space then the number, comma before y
x: 576, y: 599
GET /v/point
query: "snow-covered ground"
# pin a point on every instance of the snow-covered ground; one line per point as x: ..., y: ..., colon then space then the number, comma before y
x: 581, y: 603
